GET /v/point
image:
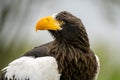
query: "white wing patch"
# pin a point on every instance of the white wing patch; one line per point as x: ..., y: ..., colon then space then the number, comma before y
x: 42, y: 68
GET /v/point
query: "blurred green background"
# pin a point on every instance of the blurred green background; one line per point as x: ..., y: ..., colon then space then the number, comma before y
x: 100, y: 17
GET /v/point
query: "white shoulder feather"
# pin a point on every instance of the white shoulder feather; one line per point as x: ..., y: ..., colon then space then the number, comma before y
x: 98, y: 67
x: 42, y: 68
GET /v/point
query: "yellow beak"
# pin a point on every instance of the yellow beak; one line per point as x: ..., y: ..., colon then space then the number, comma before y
x: 48, y: 23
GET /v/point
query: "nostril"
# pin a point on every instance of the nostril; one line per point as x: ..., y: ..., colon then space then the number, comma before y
x: 48, y: 20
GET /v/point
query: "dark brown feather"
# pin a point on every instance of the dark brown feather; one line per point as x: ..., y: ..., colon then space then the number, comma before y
x: 71, y: 49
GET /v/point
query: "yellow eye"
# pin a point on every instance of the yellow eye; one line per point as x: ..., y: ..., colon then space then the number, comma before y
x: 61, y: 22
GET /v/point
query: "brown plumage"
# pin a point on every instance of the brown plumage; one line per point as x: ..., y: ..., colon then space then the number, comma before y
x: 71, y: 49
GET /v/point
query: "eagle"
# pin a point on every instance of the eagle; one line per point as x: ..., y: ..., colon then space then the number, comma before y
x: 67, y: 57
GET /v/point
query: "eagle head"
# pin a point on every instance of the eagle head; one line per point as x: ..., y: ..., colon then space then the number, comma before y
x: 64, y: 27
